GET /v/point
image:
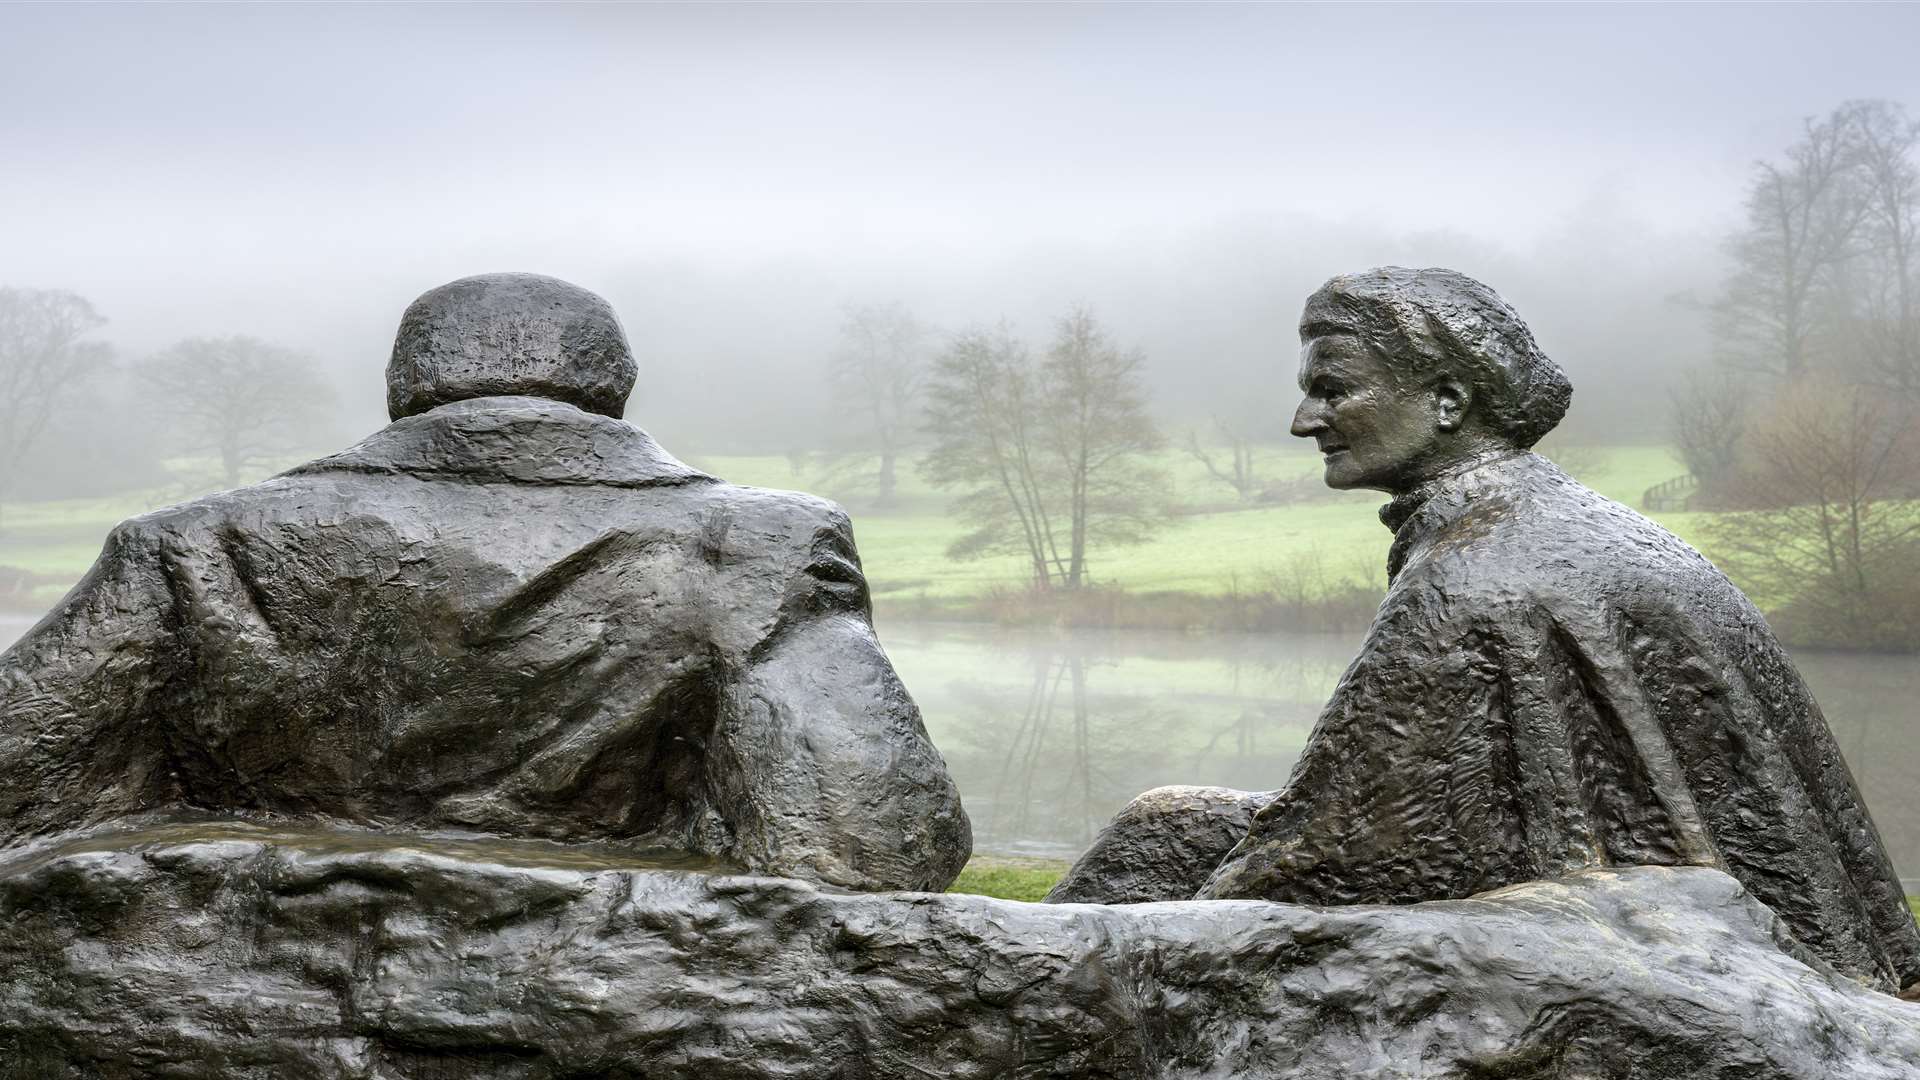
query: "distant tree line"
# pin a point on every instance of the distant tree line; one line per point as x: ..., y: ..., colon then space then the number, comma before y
x: 1805, y: 430
x: 228, y: 404
x: 46, y: 360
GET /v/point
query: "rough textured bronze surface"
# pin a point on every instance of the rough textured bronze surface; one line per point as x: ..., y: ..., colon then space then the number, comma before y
x: 503, y: 615
x: 496, y: 334
x: 1163, y: 845
x: 296, y: 958
x: 1553, y: 682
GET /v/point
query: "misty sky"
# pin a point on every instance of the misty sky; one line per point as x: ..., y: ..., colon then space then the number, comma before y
x: 728, y: 176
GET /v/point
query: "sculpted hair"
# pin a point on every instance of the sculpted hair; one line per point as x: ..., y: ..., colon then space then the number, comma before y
x: 1425, y: 321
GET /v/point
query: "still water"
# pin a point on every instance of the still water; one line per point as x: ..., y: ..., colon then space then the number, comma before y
x: 1048, y: 734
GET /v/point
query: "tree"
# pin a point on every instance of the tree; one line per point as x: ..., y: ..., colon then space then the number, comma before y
x: 1048, y: 454
x: 1827, y: 269
x: 241, y: 399
x: 44, y: 360
x: 875, y: 377
x: 1709, y: 424
x: 1097, y: 426
x: 1803, y: 222
x: 1821, y: 461
x: 1830, y: 535
x: 1237, y: 472
x: 983, y: 413
x: 1887, y: 315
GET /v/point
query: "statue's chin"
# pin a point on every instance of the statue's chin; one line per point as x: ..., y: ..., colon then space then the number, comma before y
x: 1340, y: 474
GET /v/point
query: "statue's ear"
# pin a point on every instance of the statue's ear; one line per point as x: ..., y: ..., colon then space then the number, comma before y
x: 1451, y: 400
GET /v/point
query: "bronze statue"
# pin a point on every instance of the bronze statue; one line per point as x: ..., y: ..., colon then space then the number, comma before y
x: 1552, y: 683
x: 509, y: 613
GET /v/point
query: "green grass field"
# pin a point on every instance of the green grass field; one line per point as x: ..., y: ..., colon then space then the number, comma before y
x: 1214, y: 548
x: 1009, y: 877
x: 1209, y: 552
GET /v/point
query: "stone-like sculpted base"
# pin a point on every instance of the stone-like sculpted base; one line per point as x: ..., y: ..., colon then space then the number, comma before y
x: 224, y: 953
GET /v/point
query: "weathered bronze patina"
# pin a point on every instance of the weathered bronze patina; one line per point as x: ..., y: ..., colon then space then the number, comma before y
x: 508, y: 613
x: 1553, y: 682
x: 428, y: 759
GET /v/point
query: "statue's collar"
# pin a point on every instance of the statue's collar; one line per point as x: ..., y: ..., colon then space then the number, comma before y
x: 513, y: 440
x: 1417, y: 513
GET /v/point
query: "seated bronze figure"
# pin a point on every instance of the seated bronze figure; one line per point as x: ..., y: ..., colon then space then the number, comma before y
x: 1552, y: 682
x: 510, y: 614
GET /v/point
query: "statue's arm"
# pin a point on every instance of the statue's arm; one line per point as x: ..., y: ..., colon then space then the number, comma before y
x: 78, y: 743
x: 822, y: 757
x: 1405, y: 789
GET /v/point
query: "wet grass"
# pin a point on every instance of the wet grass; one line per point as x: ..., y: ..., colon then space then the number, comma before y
x: 1009, y: 877
x: 1215, y: 549
x: 1207, y: 569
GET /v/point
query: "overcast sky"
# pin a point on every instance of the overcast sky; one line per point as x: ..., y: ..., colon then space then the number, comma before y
x: 301, y: 171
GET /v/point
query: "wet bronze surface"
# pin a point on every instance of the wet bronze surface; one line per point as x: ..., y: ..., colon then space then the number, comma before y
x: 1552, y: 683
x: 507, y: 613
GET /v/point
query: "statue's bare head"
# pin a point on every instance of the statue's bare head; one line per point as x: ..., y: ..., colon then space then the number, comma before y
x: 499, y: 334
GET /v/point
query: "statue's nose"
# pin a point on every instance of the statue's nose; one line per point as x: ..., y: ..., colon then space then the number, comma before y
x: 1308, y: 420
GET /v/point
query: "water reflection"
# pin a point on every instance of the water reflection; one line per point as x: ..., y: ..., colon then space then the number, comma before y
x: 1041, y: 776
x: 1048, y: 734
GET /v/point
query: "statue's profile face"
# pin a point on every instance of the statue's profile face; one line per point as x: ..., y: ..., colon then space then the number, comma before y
x: 1374, y: 431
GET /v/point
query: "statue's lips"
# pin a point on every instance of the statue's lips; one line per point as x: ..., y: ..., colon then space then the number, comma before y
x: 1329, y: 451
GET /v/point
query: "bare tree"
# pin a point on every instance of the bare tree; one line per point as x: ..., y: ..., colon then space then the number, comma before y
x: 1831, y: 542
x: 1887, y: 314
x: 983, y: 414
x: 1047, y: 454
x: 876, y: 376
x: 1237, y: 471
x: 1709, y: 421
x: 1804, y: 219
x: 44, y: 360
x: 1098, y: 428
x: 241, y: 399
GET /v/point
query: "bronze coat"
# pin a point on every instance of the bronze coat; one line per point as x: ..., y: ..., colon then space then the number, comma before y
x: 1552, y: 683
x: 505, y: 615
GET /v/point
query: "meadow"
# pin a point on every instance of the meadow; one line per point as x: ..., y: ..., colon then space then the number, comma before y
x: 1215, y: 546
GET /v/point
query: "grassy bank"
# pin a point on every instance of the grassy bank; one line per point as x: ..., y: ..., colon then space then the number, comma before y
x: 1009, y: 877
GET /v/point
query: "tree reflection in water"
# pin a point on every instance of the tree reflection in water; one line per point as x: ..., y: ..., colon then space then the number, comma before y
x: 1048, y: 734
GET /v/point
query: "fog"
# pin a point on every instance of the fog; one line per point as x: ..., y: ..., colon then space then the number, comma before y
x: 732, y: 177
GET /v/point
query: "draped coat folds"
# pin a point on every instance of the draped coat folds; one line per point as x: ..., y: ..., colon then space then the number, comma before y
x: 1552, y: 683
x: 505, y: 616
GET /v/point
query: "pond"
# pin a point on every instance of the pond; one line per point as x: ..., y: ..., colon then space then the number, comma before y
x: 1048, y: 733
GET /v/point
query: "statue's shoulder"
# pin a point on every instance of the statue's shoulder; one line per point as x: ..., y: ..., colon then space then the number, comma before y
x: 202, y: 514
x: 1543, y: 540
x: 771, y: 514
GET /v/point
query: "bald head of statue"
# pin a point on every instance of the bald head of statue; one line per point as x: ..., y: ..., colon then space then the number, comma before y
x: 509, y: 334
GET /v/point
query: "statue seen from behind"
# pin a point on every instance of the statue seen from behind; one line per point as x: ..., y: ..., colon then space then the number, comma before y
x: 509, y: 613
